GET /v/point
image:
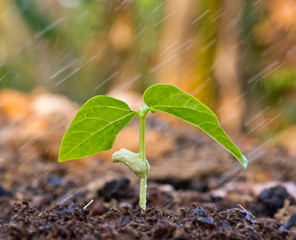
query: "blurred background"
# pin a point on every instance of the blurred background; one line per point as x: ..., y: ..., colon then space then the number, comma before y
x: 238, y: 57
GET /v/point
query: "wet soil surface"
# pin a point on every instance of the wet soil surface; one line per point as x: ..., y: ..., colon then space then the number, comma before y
x: 71, y: 221
x: 195, y: 191
x: 171, y: 214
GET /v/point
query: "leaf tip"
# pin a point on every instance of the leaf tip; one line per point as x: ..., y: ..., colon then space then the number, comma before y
x: 244, y: 162
x: 60, y: 159
x: 62, y: 156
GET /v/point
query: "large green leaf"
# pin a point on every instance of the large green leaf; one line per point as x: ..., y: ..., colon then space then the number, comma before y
x: 94, y: 127
x: 170, y: 99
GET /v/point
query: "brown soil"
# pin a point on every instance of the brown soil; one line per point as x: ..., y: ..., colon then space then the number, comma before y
x: 195, y: 191
x: 71, y: 221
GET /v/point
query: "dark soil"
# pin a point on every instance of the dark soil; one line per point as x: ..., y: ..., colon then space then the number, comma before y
x: 187, y: 215
x: 196, y: 191
x: 71, y: 221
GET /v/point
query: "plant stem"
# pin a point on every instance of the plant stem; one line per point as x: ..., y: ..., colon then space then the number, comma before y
x: 143, y: 181
x: 142, y: 134
x: 143, y: 188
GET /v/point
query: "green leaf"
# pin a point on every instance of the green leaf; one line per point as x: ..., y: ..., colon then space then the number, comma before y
x: 94, y: 127
x: 170, y: 99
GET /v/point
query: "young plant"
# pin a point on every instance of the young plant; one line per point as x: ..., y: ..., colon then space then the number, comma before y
x: 101, y: 118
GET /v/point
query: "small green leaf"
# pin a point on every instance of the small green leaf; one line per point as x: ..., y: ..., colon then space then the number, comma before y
x: 94, y: 127
x: 172, y: 100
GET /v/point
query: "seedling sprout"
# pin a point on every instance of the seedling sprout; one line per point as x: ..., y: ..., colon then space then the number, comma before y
x: 101, y: 118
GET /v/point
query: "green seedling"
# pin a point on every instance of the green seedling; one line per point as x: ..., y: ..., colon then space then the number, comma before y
x: 101, y: 118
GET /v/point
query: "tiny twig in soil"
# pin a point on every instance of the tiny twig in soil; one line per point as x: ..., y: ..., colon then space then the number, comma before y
x: 86, y: 206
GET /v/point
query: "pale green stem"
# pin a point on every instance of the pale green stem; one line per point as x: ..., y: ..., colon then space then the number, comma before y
x: 143, y: 188
x: 143, y: 181
x: 142, y: 134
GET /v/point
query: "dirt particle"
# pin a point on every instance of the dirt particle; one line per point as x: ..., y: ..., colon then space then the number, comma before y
x: 118, y: 189
x: 270, y: 201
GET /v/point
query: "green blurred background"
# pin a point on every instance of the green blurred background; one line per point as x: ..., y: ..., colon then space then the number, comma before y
x: 237, y: 56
